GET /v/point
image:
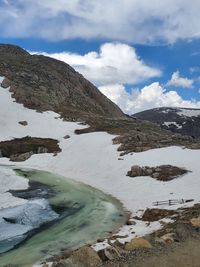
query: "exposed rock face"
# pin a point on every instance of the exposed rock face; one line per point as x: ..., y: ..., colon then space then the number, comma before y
x: 152, y: 215
x: 178, y: 120
x: 20, y: 149
x: 161, y: 173
x: 43, y: 83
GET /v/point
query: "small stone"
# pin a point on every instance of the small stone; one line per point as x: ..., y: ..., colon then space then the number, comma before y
x: 137, y: 243
x: 24, y: 123
x: 130, y: 222
x: 66, y: 136
x: 168, y: 238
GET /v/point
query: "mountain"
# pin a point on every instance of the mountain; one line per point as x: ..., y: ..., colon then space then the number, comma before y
x: 43, y: 83
x: 93, y: 143
x: 185, y: 121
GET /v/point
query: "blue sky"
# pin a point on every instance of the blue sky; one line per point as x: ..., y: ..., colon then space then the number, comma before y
x: 138, y: 60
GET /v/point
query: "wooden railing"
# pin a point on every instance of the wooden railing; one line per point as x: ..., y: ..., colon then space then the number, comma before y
x: 171, y: 202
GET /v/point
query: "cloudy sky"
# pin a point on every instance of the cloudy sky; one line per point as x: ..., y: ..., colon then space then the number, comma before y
x: 141, y: 54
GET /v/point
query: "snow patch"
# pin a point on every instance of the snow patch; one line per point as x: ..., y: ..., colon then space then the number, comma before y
x: 189, y: 112
x: 168, y: 123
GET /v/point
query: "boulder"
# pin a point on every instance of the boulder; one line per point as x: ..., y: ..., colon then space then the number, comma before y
x: 5, y: 83
x: 65, y: 263
x: 66, y: 136
x: 84, y: 257
x: 195, y: 222
x: 23, y: 123
x: 109, y: 253
x: 135, y: 171
x: 183, y: 231
x: 168, y: 238
x: 137, y: 243
x: 21, y: 157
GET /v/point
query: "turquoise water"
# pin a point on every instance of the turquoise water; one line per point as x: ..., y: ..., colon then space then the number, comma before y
x: 92, y: 215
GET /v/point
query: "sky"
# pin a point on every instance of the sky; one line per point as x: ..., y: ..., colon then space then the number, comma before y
x: 141, y: 54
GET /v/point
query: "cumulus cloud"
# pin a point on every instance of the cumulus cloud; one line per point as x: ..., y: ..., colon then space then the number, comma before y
x: 138, y: 21
x: 114, y: 63
x: 151, y: 96
x: 178, y: 81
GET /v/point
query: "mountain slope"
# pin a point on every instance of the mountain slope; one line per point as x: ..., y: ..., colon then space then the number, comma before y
x: 184, y: 121
x: 43, y: 83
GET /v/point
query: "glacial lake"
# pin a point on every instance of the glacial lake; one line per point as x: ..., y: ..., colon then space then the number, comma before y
x: 58, y: 214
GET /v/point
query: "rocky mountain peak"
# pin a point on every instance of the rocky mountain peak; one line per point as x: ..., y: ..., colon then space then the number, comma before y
x: 43, y: 83
x: 12, y: 50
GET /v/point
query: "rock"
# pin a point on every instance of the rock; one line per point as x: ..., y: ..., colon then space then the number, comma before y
x: 130, y: 222
x: 183, y: 231
x: 66, y: 263
x: 84, y: 257
x: 66, y: 136
x: 155, y: 175
x: 135, y: 171
x: 148, y: 171
x: 1, y: 155
x: 24, y: 123
x: 5, y: 83
x: 109, y: 253
x: 137, y: 243
x: 195, y: 222
x: 161, y: 173
x: 21, y: 157
x: 152, y: 215
x: 168, y: 238
x: 42, y: 150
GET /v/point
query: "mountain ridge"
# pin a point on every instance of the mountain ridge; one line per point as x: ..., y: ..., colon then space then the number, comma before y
x: 43, y: 83
x: 185, y: 121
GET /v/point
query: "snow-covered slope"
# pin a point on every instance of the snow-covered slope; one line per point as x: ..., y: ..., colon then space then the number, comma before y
x: 179, y: 120
x: 93, y: 159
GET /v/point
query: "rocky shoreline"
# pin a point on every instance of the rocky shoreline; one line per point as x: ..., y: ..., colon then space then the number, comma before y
x: 139, y: 251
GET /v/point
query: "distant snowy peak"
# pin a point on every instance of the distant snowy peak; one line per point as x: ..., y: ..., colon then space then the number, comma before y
x: 186, y: 112
x: 185, y: 121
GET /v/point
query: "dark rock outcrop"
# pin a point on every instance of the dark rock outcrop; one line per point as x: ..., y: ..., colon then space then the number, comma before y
x: 20, y: 149
x: 162, y: 173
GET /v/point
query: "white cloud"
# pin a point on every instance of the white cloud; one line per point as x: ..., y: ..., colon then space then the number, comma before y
x: 178, y: 81
x: 115, y: 63
x: 138, y: 21
x: 149, y: 97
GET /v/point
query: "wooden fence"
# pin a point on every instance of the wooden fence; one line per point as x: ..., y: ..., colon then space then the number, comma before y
x: 171, y: 202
